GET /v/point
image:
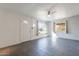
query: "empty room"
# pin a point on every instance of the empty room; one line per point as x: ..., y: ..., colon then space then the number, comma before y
x: 39, y: 29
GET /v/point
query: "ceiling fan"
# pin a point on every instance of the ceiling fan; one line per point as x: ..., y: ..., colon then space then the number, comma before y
x: 51, y: 11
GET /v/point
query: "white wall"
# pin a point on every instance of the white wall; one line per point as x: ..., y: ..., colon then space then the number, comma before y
x: 12, y: 28
x: 9, y: 28
x: 73, y: 28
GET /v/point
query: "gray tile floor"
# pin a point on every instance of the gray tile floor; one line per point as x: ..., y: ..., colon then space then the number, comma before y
x: 43, y: 47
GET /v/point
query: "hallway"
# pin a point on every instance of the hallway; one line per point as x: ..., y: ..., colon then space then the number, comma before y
x: 43, y: 47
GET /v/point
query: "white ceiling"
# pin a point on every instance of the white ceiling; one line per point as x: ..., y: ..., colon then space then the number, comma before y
x: 39, y: 10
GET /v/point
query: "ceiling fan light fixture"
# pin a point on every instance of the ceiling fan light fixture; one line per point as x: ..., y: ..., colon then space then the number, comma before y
x: 48, y: 12
x: 48, y: 15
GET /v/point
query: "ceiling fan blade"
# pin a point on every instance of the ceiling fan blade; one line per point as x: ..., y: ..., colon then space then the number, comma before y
x: 53, y: 12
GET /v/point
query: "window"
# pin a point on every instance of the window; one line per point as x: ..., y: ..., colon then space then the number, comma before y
x: 42, y: 28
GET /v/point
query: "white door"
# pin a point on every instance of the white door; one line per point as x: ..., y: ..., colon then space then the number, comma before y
x: 26, y: 30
